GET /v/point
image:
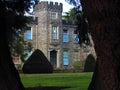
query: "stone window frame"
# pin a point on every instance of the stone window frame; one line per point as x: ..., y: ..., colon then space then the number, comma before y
x: 54, y: 33
x: 65, y: 63
x: 53, y: 15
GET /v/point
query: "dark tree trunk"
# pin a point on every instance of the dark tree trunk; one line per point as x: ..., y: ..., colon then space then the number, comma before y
x: 9, y: 77
x: 104, y: 20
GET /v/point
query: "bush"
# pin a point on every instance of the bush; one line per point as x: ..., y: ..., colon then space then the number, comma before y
x: 89, y: 64
x: 37, y: 63
x: 63, y: 70
x: 78, y: 66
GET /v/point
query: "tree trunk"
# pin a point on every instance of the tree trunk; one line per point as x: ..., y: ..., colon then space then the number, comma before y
x: 9, y: 77
x: 103, y: 17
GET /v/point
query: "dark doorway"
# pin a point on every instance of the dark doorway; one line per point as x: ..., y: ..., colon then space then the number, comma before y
x: 53, y: 58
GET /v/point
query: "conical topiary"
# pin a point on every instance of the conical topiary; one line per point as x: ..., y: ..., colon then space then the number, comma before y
x: 90, y: 63
x: 37, y: 63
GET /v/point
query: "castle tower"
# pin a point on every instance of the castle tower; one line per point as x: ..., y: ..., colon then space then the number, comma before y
x: 46, y: 34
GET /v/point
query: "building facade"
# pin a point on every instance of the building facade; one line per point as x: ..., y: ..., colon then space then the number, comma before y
x: 55, y: 37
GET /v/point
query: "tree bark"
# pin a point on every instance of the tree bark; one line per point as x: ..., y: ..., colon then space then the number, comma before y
x: 9, y: 77
x: 104, y: 20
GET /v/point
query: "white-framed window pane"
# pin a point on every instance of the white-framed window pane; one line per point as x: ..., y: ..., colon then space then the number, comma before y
x: 65, y: 58
x: 54, y: 36
x: 54, y: 32
x: 53, y: 15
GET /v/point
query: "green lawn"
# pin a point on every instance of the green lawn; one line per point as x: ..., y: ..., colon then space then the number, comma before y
x: 77, y: 81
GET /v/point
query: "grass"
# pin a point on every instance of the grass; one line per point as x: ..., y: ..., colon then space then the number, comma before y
x: 77, y: 81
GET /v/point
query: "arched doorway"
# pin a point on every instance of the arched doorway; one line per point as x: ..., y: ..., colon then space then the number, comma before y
x: 53, y: 58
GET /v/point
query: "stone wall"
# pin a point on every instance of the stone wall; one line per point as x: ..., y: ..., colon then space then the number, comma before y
x: 42, y: 34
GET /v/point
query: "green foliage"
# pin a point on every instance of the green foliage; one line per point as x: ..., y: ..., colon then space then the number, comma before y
x: 11, y: 19
x: 76, y: 14
x: 37, y: 63
x: 12, y: 15
x: 60, y: 70
x: 83, y: 28
x: 89, y: 64
x: 70, y: 15
x: 20, y: 47
x: 78, y: 66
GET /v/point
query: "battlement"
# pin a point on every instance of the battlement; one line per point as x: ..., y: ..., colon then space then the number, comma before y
x: 45, y: 5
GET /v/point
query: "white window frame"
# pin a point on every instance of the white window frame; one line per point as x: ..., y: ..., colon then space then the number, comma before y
x: 53, y: 15
x: 55, y: 32
x: 65, y: 57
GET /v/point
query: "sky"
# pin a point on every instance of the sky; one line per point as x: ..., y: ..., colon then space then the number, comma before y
x: 66, y: 6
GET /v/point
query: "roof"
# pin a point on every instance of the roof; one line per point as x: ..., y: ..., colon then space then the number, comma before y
x: 68, y: 22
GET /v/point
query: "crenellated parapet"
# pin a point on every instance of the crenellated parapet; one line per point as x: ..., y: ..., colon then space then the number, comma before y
x: 49, y: 6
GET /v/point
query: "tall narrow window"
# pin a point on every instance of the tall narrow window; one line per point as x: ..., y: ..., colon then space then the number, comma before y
x: 54, y: 32
x: 75, y: 37
x: 65, y: 36
x: 65, y: 58
x: 29, y: 33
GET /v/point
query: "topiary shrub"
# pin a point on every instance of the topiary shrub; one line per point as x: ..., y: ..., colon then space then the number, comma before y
x: 90, y: 63
x: 37, y: 63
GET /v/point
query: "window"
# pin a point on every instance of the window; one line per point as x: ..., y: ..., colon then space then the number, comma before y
x: 65, y: 58
x: 65, y: 36
x: 54, y: 32
x: 28, y: 34
x: 53, y: 15
x: 75, y: 37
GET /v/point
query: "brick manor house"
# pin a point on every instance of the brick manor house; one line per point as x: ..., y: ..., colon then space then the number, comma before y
x: 55, y: 37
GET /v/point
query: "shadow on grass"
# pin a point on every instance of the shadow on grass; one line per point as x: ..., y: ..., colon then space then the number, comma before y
x: 47, y: 88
